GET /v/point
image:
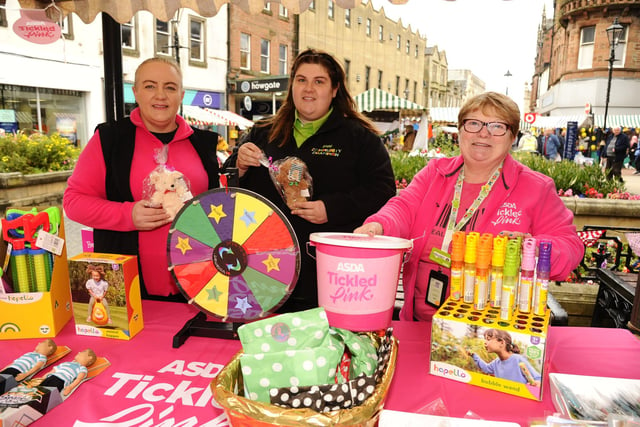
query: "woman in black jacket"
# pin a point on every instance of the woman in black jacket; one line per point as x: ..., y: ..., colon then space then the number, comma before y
x: 350, y: 168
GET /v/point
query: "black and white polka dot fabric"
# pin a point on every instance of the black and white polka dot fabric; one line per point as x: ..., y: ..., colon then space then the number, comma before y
x: 333, y: 397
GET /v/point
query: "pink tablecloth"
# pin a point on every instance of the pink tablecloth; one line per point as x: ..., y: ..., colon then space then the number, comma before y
x: 152, y: 383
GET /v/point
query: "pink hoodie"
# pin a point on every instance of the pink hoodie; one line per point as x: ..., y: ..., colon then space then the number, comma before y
x: 85, y: 199
x: 521, y: 200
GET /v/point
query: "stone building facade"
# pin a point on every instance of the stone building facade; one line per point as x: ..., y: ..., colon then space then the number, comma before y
x: 572, y: 61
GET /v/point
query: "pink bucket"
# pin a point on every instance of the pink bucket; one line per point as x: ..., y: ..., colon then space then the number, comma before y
x: 358, y: 278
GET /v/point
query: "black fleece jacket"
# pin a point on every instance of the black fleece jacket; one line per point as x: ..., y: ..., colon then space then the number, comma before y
x: 351, y: 173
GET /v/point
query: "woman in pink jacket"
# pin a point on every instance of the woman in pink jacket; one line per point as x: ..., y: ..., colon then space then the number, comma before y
x: 107, y: 191
x: 484, y: 190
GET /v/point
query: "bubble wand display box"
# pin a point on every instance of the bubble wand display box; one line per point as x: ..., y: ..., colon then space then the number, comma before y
x: 43, y: 313
x: 105, y: 290
x: 478, y: 348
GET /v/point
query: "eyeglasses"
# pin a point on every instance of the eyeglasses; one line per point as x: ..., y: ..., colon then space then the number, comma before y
x: 494, y: 128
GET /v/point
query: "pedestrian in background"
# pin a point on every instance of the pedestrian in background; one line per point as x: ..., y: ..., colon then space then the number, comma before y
x: 616, y: 150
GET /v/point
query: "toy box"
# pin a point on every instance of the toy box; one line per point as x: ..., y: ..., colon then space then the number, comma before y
x: 465, y: 343
x: 37, y: 314
x: 105, y: 290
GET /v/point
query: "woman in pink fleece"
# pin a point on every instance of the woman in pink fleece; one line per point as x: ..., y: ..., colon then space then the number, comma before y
x: 106, y: 190
x: 486, y: 190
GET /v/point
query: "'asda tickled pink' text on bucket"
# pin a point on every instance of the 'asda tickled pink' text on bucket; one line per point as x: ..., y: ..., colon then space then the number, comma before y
x: 350, y: 286
x: 357, y: 278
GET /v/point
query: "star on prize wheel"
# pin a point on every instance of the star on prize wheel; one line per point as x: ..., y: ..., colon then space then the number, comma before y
x: 233, y: 254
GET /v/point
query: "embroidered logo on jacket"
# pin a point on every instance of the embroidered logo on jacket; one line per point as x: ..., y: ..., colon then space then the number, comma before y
x: 508, y: 214
x: 326, y: 150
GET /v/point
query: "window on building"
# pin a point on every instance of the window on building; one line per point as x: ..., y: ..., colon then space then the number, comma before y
x: 381, y: 33
x: 267, y: 7
x: 283, y: 12
x: 406, y: 88
x: 67, y: 27
x: 282, y: 60
x: 379, y: 79
x: 347, y: 70
x: 408, y: 47
x: 434, y: 73
x: 265, y: 45
x: 3, y: 17
x: 368, y: 28
x: 347, y: 17
x: 245, y: 51
x: 197, y: 39
x: 415, y: 91
x: 312, y: 5
x: 129, y: 36
x: 397, y: 85
x: 163, y: 38
x: 417, y: 50
x: 398, y: 44
x: 330, y: 9
x: 367, y: 77
x: 585, y: 55
x: 621, y: 48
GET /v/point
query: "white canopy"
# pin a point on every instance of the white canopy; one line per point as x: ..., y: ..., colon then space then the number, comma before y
x: 376, y: 99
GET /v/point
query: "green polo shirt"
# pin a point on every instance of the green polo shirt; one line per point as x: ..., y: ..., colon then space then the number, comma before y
x: 302, y: 131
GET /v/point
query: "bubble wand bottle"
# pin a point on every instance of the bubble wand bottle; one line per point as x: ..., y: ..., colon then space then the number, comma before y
x: 510, y: 279
x: 485, y: 245
x: 542, y: 278
x: 526, y: 276
x: 470, y: 255
x: 457, y: 264
x: 497, y: 266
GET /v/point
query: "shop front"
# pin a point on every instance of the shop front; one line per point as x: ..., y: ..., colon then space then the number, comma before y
x: 258, y: 98
x: 45, y: 110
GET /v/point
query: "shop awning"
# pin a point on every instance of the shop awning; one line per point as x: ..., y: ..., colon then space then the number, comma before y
x: 197, y: 116
x: 376, y: 99
x: 555, y: 122
x: 227, y: 118
x: 622, y: 120
x: 444, y: 114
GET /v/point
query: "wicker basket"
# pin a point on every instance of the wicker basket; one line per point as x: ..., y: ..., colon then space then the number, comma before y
x: 243, y: 412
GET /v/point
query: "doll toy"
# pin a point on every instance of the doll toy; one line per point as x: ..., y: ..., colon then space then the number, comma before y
x: 25, y: 366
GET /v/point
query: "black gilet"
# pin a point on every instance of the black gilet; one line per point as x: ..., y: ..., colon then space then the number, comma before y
x: 118, y: 144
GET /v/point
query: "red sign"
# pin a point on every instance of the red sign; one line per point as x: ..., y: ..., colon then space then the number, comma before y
x: 530, y: 117
x: 36, y: 27
x: 587, y: 108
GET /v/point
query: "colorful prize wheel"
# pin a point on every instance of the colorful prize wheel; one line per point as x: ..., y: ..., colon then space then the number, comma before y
x: 233, y: 254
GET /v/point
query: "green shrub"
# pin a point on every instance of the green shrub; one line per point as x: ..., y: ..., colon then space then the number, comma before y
x: 36, y: 153
x: 586, y: 180
x: 569, y: 175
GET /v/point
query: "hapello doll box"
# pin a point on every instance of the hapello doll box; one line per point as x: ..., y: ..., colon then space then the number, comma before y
x: 105, y: 290
x: 478, y: 348
x: 36, y: 313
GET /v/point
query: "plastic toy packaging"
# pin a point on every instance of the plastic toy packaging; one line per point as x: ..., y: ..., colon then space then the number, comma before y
x: 292, y: 179
x: 166, y: 187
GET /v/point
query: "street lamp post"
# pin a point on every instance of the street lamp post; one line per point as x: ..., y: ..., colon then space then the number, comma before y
x: 507, y: 75
x: 614, y: 32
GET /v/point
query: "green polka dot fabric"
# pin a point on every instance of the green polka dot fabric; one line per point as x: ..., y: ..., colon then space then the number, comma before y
x: 294, y: 349
x: 334, y: 397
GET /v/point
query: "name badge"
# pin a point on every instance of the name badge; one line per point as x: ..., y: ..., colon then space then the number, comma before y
x: 440, y: 257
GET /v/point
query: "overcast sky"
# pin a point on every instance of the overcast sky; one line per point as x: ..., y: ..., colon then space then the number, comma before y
x: 487, y: 37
